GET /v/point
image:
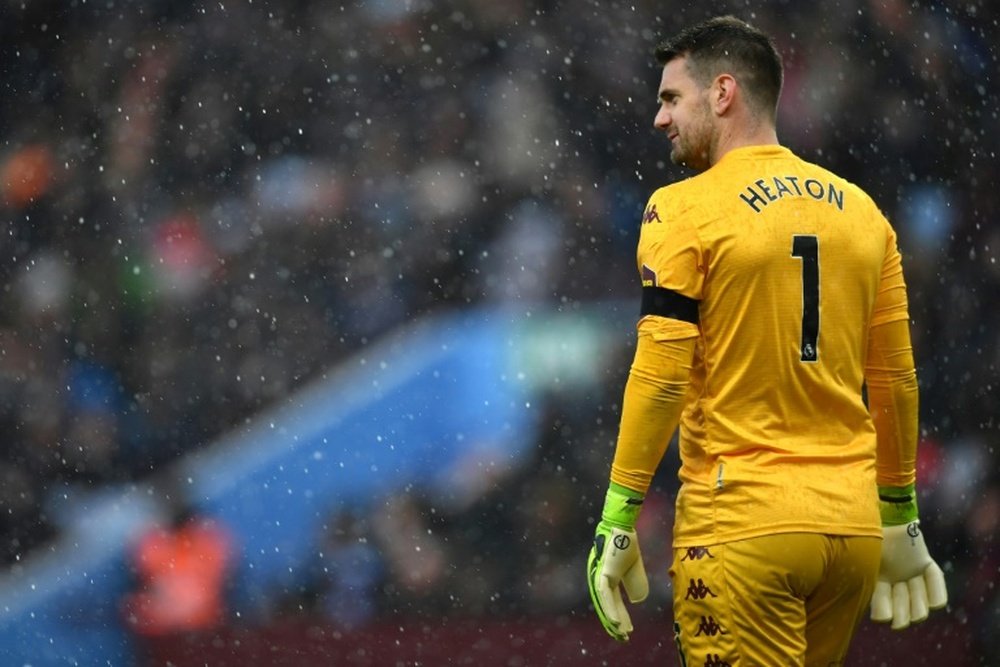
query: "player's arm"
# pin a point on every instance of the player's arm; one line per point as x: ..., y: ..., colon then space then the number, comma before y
x: 654, y: 397
x: 910, y: 582
x: 893, y: 401
x: 670, y: 260
x: 891, y: 378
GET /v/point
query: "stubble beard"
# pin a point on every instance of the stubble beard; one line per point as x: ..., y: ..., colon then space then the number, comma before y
x: 692, y: 147
x: 692, y: 157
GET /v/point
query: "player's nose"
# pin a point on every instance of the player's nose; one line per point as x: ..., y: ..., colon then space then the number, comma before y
x: 662, y: 119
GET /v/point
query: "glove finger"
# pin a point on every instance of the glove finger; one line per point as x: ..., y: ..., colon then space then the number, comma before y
x: 882, y: 602
x: 636, y: 582
x: 624, y: 620
x: 918, y: 599
x: 937, y: 592
x: 900, y: 606
x: 614, y: 608
x: 599, y: 592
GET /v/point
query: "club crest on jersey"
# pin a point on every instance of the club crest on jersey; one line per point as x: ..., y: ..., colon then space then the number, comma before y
x: 650, y: 215
x: 648, y: 277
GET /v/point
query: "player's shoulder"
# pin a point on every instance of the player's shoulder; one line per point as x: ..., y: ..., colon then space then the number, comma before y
x: 692, y: 185
x: 671, y: 191
x: 851, y: 189
x: 678, y: 197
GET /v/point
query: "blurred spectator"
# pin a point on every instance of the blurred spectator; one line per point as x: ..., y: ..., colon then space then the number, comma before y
x: 26, y: 175
x: 354, y: 571
x: 181, y: 568
x: 547, y: 575
x: 418, y: 560
x: 24, y: 527
x: 982, y: 597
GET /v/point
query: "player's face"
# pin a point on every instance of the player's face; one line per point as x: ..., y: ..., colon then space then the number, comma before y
x: 685, y: 116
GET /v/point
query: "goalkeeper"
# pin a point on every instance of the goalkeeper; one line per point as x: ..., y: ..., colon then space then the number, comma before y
x: 772, y: 293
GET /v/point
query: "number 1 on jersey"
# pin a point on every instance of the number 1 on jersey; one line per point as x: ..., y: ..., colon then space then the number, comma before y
x: 806, y: 248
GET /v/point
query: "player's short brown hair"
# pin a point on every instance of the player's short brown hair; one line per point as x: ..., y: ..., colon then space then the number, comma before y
x: 727, y: 44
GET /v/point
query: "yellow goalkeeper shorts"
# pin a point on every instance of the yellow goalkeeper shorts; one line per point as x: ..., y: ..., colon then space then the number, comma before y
x: 786, y: 599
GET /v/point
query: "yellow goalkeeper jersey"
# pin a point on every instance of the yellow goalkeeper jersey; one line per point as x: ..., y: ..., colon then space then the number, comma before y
x: 790, y: 265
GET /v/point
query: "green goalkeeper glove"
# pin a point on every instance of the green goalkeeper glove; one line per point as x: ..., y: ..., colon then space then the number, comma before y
x: 615, y: 560
x: 909, y: 581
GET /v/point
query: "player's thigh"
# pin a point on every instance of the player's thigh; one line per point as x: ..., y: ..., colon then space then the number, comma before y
x: 743, y: 603
x: 837, y: 605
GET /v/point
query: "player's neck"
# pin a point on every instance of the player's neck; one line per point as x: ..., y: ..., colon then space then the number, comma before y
x: 733, y: 136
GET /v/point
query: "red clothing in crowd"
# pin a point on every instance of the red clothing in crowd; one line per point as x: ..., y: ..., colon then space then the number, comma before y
x: 182, y: 573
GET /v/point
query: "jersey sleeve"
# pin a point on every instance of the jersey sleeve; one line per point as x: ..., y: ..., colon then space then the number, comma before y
x: 670, y: 254
x: 893, y: 400
x: 890, y: 375
x: 890, y: 301
x: 652, y: 404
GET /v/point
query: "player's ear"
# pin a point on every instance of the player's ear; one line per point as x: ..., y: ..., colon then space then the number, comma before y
x: 723, y: 93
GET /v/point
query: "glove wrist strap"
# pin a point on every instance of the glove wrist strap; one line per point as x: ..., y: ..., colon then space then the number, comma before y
x: 897, y: 504
x: 621, y: 506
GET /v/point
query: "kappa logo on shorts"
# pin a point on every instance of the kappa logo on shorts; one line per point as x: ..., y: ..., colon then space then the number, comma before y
x: 710, y: 627
x: 696, y: 553
x: 713, y: 660
x: 698, y: 591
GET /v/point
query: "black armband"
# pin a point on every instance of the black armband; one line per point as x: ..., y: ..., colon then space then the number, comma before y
x: 668, y: 303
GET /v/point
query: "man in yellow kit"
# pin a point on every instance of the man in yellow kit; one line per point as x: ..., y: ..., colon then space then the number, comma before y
x: 772, y: 291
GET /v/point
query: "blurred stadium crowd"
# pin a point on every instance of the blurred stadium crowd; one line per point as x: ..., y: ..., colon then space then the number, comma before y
x: 205, y: 205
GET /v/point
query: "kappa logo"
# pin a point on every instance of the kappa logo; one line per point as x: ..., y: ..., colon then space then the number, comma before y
x: 698, y: 591
x: 650, y: 215
x: 710, y: 627
x: 713, y: 660
x: 696, y: 553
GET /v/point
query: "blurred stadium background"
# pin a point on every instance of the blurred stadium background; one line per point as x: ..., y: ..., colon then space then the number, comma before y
x: 334, y: 303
